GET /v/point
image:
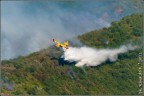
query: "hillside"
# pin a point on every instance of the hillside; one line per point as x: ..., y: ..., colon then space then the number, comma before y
x: 44, y: 72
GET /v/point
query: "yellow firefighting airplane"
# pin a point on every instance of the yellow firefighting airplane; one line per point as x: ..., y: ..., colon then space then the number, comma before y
x: 64, y: 45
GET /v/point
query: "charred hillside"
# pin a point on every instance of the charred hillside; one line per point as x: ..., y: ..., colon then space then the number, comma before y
x: 44, y: 72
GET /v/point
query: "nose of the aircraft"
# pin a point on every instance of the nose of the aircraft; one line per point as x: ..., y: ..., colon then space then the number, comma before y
x: 53, y: 40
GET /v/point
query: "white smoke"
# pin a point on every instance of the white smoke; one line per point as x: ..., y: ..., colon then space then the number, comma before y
x: 28, y: 26
x: 86, y: 56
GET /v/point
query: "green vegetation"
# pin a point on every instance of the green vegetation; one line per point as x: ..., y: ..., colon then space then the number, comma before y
x: 127, y: 30
x: 40, y: 72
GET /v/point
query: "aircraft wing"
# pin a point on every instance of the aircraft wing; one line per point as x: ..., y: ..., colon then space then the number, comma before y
x: 57, y: 45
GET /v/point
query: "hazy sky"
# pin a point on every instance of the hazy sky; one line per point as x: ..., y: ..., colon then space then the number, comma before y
x: 28, y: 26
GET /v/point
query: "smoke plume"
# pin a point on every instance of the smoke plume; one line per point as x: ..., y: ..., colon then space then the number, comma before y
x: 28, y: 26
x: 86, y: 56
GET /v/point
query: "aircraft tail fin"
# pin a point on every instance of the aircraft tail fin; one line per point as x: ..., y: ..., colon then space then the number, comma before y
x: 66, y: 43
